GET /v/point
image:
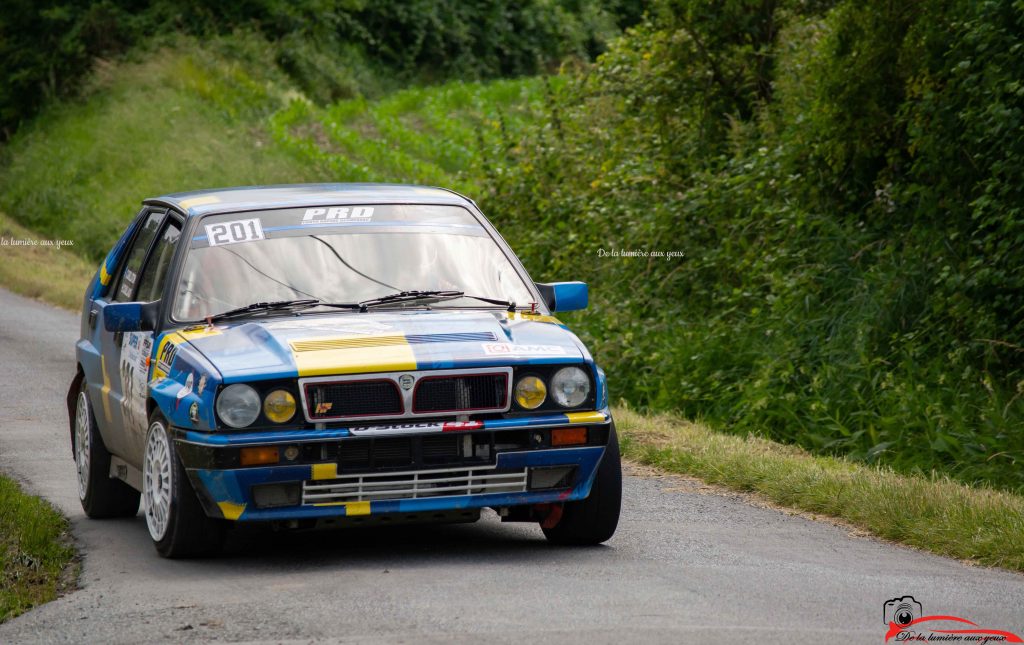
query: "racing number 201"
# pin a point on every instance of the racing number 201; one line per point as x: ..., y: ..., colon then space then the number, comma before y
x: 239, y: 230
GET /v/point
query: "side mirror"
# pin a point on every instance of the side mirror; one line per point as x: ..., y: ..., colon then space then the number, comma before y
x: 564, y: 296
x: 130, y: 316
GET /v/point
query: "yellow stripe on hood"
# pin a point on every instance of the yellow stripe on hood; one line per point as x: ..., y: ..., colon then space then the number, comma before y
x: 352, y: 355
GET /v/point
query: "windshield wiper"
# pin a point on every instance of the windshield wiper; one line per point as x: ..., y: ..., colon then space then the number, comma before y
x: 413, y: 296
x: 304, y: 303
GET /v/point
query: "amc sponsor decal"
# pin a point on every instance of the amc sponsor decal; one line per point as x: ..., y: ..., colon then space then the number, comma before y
x: 507, y: 349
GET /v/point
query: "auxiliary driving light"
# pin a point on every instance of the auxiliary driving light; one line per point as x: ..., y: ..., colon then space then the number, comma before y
x: 279, y: 406
x: 530, y: 392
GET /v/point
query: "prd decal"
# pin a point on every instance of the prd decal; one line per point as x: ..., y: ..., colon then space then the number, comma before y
x: 340, y: 213
x: 166, y: 358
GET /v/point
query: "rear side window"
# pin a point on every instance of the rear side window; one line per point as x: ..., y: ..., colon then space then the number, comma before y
x: 129, y: 277
x: 153, y: 276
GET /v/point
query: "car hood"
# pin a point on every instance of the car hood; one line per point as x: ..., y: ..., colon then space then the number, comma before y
x: 383, y: 341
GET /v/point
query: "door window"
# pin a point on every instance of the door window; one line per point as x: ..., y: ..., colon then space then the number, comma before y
x: 129, y: 277
x: 151, y: 287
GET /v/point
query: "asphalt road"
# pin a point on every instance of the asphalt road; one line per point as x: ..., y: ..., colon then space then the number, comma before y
x: 685, y: 566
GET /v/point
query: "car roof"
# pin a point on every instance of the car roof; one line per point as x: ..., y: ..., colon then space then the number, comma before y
x: 245, y: 198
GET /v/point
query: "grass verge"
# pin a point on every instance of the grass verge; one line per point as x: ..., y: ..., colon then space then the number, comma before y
x: 180, y: 119
x: 933, y: 513
x: 56, y: 275
x: 35, y: 551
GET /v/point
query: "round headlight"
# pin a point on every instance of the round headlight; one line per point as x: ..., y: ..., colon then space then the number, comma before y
x: 530, y: 392
x: 279, y: 406
x: 238, y: 405
x: 570, y: 387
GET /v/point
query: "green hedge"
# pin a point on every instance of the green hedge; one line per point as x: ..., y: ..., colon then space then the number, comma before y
x: 845, y: 183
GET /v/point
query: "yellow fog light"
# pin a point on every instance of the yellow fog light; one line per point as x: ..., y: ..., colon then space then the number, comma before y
x: 530, y: 392
x: 279, y: 406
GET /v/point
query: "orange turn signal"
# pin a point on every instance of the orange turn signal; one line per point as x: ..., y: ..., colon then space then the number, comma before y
x: 568, y: 436
x: 261, y: 455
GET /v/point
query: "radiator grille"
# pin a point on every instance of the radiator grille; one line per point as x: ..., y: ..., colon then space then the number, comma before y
x: 413, y: 485
x: 403, y: 395
x: 458, y: 393
x: 440, y: 449
x: 353, y: 399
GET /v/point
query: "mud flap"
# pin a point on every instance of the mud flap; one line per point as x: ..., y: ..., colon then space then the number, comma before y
x: 72, y: 401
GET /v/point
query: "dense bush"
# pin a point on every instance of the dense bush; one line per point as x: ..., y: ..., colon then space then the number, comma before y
x: 845, y: 183
x: 332, y: 48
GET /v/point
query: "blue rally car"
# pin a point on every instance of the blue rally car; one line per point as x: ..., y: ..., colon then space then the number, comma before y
x: 337, y: 354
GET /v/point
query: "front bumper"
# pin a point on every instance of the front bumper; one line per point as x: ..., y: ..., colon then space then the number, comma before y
x: 324, y: 483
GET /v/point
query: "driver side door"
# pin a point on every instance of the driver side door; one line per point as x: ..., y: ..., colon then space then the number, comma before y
x: 142, y: 280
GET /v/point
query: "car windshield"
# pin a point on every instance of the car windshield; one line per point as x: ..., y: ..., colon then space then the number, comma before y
x: 341, y: 254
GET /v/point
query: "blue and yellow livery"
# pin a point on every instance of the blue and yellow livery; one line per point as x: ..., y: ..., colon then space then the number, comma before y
x: 334, y: 354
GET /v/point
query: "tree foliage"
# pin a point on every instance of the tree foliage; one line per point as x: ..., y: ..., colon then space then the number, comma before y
x: 332, y: 48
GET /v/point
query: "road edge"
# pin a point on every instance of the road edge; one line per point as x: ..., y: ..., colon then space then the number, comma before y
x: 975, y: 525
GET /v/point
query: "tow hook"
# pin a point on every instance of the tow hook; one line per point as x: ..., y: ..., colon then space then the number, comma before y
x: 551, y: 514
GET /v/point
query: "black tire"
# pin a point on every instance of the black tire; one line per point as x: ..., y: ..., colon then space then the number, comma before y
x: 593, y: 520
x: 185, y: 530
x: 101, y: 495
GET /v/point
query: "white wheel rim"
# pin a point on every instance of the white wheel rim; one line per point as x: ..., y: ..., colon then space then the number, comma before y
x: 156, y: 481
x: 83, y: 442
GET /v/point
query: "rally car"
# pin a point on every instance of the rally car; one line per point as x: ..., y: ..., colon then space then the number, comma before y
x: 334, y: 354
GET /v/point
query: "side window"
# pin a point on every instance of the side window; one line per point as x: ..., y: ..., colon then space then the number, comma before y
x: 129, y: 277
x: 152, y: 285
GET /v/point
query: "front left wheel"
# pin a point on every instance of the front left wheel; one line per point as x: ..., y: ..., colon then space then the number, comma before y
x: 593, y: 520
x: 175, y: 519
x: 101, y: 495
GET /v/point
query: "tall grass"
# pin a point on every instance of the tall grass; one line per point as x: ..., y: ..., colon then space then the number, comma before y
x: 181, y: 119
x: 41, y: 269
x: 34, y: 550
x: 444, y: 135
x: 191, y: 116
